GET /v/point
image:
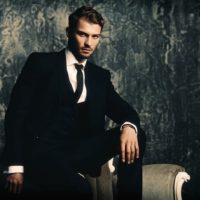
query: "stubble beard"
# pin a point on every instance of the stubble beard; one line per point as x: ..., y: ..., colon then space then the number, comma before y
x: 73, y: 48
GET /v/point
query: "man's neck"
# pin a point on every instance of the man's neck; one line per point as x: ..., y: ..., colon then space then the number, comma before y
x: 71, y: 59
x: 78, y: 58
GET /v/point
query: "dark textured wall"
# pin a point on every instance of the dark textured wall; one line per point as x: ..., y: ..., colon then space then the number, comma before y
x: 152, y: 50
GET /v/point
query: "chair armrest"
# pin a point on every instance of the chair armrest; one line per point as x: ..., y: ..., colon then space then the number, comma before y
x: 159, y: 182
x: 181, y: 177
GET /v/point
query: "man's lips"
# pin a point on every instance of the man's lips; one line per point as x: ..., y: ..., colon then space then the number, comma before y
x: 87, y: 49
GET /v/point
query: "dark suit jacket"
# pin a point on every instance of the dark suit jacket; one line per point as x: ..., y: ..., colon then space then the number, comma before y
x: 41, y: 87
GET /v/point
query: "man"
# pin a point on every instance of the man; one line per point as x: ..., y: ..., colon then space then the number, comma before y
x: 56, y: 116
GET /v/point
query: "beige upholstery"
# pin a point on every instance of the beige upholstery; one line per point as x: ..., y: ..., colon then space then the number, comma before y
x: 158, y: 182
x: 102, y: 186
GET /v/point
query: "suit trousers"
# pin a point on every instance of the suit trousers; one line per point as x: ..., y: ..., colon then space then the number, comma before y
x: 55, y: 174
x: 100, y: 149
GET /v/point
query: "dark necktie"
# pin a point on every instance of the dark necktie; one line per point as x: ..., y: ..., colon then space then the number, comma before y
x: 79, y: 78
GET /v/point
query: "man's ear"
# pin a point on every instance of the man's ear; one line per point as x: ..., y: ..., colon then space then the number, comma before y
x: 69, y: 32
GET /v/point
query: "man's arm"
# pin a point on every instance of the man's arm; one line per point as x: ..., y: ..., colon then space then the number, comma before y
x: 118, y: 109
x: 122, y: 113
x: 18, y: 108
x: 17, y: 111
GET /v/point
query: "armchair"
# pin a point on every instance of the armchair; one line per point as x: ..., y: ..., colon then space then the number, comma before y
x: 160, y: 182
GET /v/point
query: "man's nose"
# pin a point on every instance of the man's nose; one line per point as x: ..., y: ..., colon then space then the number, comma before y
x: 88, y: 41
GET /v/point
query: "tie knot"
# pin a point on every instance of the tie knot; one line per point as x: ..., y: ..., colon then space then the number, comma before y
x: 78, y: 66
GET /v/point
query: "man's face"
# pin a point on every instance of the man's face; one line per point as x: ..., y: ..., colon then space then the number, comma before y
x: 85, y: 39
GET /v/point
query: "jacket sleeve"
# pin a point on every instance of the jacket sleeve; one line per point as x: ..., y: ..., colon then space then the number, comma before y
x: 17, y: 111
x: 118, y: 109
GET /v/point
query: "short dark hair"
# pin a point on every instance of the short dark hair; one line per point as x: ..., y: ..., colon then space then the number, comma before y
x: 86, y: 12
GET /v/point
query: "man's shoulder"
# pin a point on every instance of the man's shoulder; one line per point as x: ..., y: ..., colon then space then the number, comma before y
x: 46, y: 60
x: 45, y: 55
x: 43, y: 61
x: 97, y: 68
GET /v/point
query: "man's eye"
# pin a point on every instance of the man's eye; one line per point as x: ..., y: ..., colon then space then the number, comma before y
x: 95, y: 36
x: 82, y: 34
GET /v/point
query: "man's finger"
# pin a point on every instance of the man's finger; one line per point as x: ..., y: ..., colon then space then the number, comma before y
x: 10, y: 186
x: 123, y: 151
x: 128, y: 153
x: 132, y: 153
x: 15, y: 187
x: 137, y: 150
x: 20, y: 188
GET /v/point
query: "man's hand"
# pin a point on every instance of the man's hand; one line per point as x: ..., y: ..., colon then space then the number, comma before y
x: 15, y: 183
x: 129, y: 145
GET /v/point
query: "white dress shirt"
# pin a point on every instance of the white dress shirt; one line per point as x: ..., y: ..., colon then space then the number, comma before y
x: 71, y: 70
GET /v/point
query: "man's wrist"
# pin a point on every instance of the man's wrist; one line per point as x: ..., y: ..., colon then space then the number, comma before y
x: 130, y: 125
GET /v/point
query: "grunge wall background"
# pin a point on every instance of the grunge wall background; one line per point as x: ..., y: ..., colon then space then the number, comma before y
x: 152, y: 50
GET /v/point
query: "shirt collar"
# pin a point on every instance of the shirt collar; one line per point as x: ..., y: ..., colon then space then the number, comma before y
x: 71, y: 60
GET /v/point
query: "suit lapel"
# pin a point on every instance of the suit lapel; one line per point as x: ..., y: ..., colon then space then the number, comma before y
x: 92, y: 86
x: 66, y: 93
x: 89, y: 82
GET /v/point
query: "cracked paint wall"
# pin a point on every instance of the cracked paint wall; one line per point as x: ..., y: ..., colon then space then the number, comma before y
x: 152, y: 50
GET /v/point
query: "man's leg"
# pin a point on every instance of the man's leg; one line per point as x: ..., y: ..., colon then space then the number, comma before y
x: 52, y: 177
x: 98, y: 150
x: 129, y: 183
